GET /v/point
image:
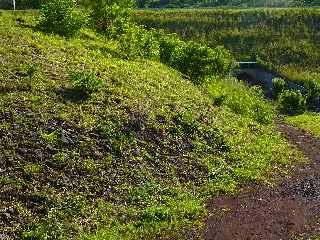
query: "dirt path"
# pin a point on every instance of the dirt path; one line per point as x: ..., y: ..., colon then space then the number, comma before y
x: 259, y: 212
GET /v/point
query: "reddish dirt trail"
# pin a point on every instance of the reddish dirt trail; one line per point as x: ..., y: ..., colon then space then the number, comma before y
x: 282, y: 212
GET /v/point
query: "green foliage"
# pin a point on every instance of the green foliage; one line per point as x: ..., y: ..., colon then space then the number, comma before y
x: 31, y: 69
x: 200, y: 62
x: 111, y: 18
x: 241, y: 100
x: 279, y: 86
x: 51, y: 138
x: 60, y: 17
x: 169, y: 44
x: 139, y: 43
x: 205, y: 3
x: 292, y: 102
x: 313, y: 99
x: 85, y: 82
x: 197, y: 61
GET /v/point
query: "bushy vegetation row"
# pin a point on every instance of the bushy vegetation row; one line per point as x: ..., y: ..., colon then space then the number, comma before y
x: 112, y: 20
x: 99, y: 144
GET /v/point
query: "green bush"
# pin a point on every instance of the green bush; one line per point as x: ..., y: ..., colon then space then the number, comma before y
x: 200, y: 62
x: 138, y: 42
x: 197, y: 61
x: 169, y: 44
x: 292, y: 102
x: 279, y: 86
x: 111, y: 18
x: 313, y: 99
x: 60, y: 17
x: 85, y: 82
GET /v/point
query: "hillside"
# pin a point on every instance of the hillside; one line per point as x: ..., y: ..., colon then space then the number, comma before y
x: 136, y: 159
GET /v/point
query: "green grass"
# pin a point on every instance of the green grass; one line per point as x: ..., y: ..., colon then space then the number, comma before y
x: 307, y: 121
x: 137, y: 158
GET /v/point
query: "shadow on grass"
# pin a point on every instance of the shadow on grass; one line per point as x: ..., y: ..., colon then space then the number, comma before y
x: 15, y: 89
x: 72, y: 95
x: 23, y: 24
x: 111, y: 52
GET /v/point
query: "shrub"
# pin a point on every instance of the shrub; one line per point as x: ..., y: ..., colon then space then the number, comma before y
x: 199, y: 62
x: 111, y: 18
x: 279, y: 86
x: 169, y: 44
x: 241, y: 99
x: 31, y: 70
x: 86, y: 83
x: 313, y: 99
x: 195, y: 60
x: 292, y: 102
x: 60, y: 17
x: 138, y: 42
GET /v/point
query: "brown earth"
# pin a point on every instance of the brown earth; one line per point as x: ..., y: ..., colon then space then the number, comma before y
x: 282, y: 212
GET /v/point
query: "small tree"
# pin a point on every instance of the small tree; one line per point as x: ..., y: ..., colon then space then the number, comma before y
x: 31, y: 70
x: 111, y: 17
x: 60, y: 17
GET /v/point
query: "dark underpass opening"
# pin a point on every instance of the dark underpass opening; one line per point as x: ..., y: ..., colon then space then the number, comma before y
x: 255, y: 74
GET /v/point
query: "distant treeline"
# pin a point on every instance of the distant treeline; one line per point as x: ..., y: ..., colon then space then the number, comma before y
x: 216, y: 3
x: 34, y: 4
x: 24, y: 4
x: 20, y: 4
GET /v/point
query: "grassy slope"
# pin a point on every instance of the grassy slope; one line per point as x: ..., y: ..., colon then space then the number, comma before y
x: 135, y: 160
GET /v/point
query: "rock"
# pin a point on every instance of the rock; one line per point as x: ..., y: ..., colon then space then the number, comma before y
x: 98, y: 155
x: 3, y: 237
x: 65, y: 138
x: 7, y: 216
x: 22, y: 151
x: 10, y: 210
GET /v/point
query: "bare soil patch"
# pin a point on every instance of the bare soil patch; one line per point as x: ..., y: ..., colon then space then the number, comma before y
x: 282, y: 212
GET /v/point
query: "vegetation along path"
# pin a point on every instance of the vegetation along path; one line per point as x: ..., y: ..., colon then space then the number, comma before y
x: 283, y: 212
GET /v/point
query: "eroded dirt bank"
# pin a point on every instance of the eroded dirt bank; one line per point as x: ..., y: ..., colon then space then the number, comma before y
x: 282, y: 212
